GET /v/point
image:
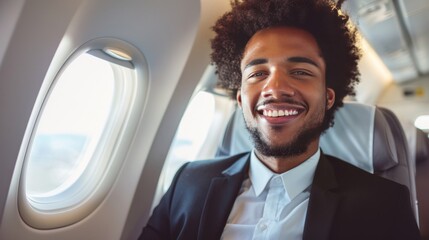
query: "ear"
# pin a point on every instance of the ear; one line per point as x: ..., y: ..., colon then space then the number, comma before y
x: 330, y: 97
x: 238, y: 97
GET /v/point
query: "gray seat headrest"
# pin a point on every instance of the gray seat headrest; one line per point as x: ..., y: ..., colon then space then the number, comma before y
x: 362, y: 137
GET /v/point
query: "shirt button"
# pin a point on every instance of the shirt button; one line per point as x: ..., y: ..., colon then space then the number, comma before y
x: 262, y: 226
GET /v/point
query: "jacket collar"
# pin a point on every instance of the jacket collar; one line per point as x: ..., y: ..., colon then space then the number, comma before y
x: 221, y: 197
x: 239, y: 166
x: 323, y: 202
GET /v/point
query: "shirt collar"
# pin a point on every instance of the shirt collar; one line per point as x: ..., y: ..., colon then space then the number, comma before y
x: 295, y: 181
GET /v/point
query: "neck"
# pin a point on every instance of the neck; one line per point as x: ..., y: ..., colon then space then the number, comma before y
x: 281, y: 164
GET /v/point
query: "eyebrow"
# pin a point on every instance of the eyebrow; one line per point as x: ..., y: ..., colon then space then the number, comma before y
x: 302, y: 60
x: 291, y: 59
x: 256, y: 62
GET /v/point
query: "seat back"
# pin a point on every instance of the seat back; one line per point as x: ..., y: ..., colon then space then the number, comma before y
x: 418, y: 143
x: 363, y: 135
x: 405, y: 156
x: 422, y: 180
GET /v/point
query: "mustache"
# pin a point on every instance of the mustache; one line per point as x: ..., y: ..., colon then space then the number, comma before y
x: 284, y: 100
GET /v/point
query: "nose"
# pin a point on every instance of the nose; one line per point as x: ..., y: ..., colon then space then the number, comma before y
x: 278, y: 85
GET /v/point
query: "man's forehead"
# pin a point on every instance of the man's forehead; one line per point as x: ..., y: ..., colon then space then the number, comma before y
x: 297, y: 44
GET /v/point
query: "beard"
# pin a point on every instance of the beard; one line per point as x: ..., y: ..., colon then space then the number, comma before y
x: 296, y: 146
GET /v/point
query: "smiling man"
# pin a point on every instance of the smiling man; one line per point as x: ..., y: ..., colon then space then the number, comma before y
x: 283, y: 95
x: 289, y: 64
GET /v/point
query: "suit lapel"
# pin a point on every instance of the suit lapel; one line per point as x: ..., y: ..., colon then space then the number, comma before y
x: 220, y: 199
x: 323, y: 202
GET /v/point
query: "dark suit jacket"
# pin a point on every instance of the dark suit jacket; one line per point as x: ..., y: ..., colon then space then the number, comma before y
x: 345, y: 203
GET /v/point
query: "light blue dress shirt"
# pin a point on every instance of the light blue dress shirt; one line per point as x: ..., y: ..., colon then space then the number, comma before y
x: 270, y: 205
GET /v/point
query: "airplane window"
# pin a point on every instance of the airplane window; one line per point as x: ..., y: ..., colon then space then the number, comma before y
x: 198, y: 134
x: 80, y: 138
x: 191, y: 133
x: 70, y: 126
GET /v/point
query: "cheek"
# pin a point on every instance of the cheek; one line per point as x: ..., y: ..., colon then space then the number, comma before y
x: 307, y: 91
x: 316, y: 98
x: 249, y: 99
x: 246, y: 95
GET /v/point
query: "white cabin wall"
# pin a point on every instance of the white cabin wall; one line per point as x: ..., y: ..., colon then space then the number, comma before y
x: 22, y: 71
x: 10, y: 10
x: 407, y: 108
x: 374, y: 75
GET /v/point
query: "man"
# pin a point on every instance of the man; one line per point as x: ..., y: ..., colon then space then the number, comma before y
x: 289, y: 65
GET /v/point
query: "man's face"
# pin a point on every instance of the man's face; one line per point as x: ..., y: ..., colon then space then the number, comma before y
x: 283, y: 93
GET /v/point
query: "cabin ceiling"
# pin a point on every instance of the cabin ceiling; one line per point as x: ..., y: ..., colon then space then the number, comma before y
x: 398, y: 30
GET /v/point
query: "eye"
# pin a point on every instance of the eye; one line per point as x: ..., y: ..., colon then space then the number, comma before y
x: 301, y: 73
x: 257, y: 74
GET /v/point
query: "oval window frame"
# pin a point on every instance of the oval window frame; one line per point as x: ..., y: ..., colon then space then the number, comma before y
x: 58, y: 211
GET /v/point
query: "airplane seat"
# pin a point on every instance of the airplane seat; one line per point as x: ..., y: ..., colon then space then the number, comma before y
x: 404, y: 152
x: 422, y: 179
x: 236, y: 138
x: 418, y: 143
x: 362, y: 135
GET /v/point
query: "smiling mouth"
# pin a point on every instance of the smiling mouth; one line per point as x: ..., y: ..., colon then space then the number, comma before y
x: 279, y: 113
x: 280, y: 110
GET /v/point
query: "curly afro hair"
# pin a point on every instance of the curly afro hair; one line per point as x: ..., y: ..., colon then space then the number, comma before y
x: 332, y: 30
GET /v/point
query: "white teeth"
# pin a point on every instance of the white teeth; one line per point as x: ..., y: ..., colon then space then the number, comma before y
x: 275, y: 113
x: 279, y: 113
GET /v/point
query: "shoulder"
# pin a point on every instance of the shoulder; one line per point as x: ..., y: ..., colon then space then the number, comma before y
x: 194, y: 180
x: 356, y: 178
x: 375, y: 203
x: 199, y: 174
x: 213, y: 167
